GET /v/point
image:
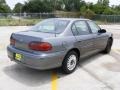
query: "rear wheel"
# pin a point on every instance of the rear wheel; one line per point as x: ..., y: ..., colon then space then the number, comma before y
x: 70, y: 62
x: 108, y: 47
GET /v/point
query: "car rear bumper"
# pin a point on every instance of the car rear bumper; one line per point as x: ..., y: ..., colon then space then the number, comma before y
x: 37, y: 61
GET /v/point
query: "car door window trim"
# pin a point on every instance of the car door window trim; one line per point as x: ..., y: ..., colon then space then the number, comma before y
x: 90, y: 26
x: 77, y: 30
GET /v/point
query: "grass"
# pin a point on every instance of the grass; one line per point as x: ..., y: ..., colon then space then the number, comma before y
x: 29, y: 22
x: 17, y: 22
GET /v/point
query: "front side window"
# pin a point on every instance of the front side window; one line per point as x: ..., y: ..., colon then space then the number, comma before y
x: 94, y: 27
x: 51, y: 26
x: 81, y: 27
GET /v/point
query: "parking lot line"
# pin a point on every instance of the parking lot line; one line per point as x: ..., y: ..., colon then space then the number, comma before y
x: 116, y: 50
x: 54, y: 81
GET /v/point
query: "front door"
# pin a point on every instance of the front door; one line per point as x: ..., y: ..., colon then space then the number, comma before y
x: 100, y: 39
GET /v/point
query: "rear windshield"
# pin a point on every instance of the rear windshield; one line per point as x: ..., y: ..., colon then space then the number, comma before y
x: 51, y: 26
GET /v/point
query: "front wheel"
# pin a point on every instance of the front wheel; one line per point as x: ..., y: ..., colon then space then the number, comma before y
x: 108, y: 47
x: 70, y: 62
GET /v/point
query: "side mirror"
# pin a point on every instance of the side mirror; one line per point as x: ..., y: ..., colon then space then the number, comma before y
x: 102, y: 31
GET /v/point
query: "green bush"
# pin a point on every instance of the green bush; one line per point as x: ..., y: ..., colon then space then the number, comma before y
x: 88, y: 14
x: 108, y: 11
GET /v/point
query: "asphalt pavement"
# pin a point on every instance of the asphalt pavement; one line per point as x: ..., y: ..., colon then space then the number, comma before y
x: 96, y: 72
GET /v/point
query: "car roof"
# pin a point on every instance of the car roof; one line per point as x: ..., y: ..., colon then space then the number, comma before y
x: 71, y: 19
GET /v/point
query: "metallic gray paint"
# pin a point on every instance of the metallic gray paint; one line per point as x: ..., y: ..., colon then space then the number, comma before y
x: 62, y: 44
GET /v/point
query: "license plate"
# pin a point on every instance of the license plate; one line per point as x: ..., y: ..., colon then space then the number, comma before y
x: 18, y: 56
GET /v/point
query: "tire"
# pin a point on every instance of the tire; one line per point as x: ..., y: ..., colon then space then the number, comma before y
x: 70, y: 62
x: 108, y: 47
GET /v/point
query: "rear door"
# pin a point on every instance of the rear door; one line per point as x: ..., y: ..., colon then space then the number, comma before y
x: 100, y: 39
x: 84, y: 38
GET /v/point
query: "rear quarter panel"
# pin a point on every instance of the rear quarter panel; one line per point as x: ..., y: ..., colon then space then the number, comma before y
x: 62, y: 43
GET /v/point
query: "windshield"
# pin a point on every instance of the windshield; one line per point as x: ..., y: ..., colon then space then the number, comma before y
x: 51, y: 26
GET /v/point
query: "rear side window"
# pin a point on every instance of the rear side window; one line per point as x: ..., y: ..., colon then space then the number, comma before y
x: 81, y: 28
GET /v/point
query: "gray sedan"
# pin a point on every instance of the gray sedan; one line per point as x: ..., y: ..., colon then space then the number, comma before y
x: 58, y: 42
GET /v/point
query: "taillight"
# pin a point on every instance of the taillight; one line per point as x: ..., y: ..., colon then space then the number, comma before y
x: 40, y: 46
x: 12, y: 41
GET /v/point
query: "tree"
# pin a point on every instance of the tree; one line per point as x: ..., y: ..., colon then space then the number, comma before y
x: 36, y: 6
x: 108, y: 11
x: 116, y: 9
x: 106, y: 3
x: 68, y: 4
x: 2, y: 2
x: 100, y: 6
x: 99, y: 1
x: 57, y: 4
x: 88, y: 14
x: 78, y: 4
x: 4, y: 8
x: 18, y: 8
x: 83, y: 8
x: 73, y: 5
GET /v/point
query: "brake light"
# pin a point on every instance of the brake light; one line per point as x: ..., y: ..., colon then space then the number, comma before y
x: 40, y: 46
x: 12, y: 41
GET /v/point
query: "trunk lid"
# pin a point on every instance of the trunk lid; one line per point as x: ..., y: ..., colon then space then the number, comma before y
x: 25, y: 37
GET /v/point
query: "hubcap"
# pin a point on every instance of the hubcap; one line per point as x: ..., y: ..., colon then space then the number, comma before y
x: 71, y: 64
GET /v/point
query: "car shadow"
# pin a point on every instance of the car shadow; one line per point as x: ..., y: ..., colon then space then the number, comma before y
x: 28, y: 76
x: 34, y: 78
x: 86, y: 60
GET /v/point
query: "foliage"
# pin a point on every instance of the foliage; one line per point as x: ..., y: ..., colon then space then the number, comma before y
x: 36, y: 6
x: 4, y: 8
x: 116, y: 9
x: 88, y: 14
x: 18, y: 8
x: 108, y: 11
x: 73, y: 5
x: 2, y: 1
